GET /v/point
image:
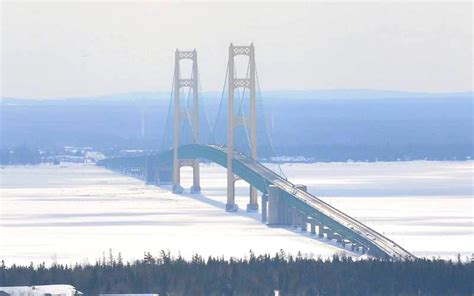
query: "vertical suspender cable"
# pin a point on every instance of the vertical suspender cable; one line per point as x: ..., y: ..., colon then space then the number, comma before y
x: 272, y: 148
x: 170, y: 104
x: 188, y: 115
x: 240, y: 106
x: 206, y: 118
x: 212, y: 134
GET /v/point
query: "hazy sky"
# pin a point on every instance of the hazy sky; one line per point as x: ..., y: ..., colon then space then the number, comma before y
x: 52, y: 49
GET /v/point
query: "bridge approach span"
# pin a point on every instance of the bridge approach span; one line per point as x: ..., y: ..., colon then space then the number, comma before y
x: 260, y: 177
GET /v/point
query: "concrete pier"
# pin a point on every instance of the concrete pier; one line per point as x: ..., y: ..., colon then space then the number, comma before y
x: 313, y: 227
x: 165, y: 176
x: 284, y: 213
x: 294, y: 217
x: 304, y: 222
x: 264, y: 207
x: 344, y: 242
x: 328, y: 233
x: 196, y: 187
x: 321, y: 230
x: 151, y: 174
x: 274, y: 217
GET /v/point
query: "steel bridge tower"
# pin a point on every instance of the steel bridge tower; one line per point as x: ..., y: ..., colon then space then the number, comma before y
x: 234, y: 121
x: 183, y: 114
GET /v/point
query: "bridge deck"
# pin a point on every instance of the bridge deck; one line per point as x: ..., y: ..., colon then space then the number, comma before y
x: 261, y: 177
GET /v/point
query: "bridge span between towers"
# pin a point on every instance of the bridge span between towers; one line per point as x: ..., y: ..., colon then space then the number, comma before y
x: 282, y: 203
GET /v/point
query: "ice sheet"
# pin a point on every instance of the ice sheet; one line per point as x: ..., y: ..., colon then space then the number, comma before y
x: 76, y: 212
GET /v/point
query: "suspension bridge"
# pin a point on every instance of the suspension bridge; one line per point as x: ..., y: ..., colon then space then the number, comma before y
x: 281, y: 203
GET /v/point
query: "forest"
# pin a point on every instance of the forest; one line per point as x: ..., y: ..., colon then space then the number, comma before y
x: 252, y: 275
x: 19, y: 155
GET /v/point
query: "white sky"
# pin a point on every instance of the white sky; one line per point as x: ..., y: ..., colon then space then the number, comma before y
x: 53, y: 49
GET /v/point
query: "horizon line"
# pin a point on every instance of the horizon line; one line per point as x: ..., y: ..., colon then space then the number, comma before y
x: 162, y: 92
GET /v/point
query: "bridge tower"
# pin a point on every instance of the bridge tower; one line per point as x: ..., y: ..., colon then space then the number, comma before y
x: 185, y: 113
x: 234, y: 121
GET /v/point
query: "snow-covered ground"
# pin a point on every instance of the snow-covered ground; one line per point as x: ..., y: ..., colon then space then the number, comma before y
x: 62, y: 290
x: 75, y: 213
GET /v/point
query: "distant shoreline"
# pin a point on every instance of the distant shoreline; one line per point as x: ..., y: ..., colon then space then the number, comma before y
x: 203, y: 162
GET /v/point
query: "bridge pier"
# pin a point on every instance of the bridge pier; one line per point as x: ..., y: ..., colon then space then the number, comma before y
x: 356, y: 247
x: 327, y: 231
x: 264, y: 207
x: 274, y: 206
x: 344, y: 242
x: 313, y: 224
x: 231, y: 206
x: 294, y: 217
x: 252, y: 206
x: 151, y: 173
x: 313, y: 227
x: 353, y: 247
x: 338, y: 237
x: 320, y: 230
x: 165, y: 176
x: 304, y: 222
x: 177, y: 189
x: 302, y: 216
x: 286, y: 213
x: 329, y: 235
x: 196, y: 187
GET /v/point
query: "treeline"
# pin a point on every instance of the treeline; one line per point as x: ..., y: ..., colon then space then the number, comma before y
x: 254, y: 275
x: 19, y: 155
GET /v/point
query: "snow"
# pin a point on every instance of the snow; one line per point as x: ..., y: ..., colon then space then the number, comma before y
x: 77, y: 212
x: 63, y: 290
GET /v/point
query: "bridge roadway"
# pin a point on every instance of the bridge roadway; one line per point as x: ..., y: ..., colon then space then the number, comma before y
x: 261, y: 177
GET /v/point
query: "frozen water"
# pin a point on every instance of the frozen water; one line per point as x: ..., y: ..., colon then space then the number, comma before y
x: 75, y: 212
x: 425, y: 206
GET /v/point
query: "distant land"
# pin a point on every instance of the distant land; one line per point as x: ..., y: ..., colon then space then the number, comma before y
x: 326, y: 125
